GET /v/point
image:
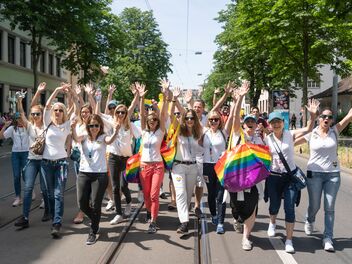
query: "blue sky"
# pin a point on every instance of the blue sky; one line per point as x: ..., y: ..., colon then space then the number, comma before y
x: 171, y: 15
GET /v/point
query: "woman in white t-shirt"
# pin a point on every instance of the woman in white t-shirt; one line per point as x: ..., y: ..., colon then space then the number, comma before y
x: 92, y: 179
x: 35, y: 129
x: 54, y: 163
x: 323, y: 172
x: 279, y: 183
x: 152, y: 166
x: 214, y: 144
x: 17, y: 131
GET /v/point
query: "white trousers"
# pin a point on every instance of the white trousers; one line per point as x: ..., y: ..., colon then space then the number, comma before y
x: 184, y: 178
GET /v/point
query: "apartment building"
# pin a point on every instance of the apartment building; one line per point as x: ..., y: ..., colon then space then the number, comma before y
x: 16, y: 68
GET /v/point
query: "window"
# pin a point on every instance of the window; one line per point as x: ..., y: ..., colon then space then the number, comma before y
x: 11, y: 49
x: 23, y: 54
x: 58, y: 70
x: 51, y: 64
x: 313, y: 84
x: 42, y: 62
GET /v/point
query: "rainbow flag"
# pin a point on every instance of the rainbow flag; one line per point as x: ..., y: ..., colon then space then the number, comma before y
x: 131, y: 173
x: 243, y: 166
x: 168, y: 147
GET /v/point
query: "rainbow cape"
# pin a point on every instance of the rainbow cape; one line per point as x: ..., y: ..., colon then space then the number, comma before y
x: 168, y: 148
x: 243, y: 166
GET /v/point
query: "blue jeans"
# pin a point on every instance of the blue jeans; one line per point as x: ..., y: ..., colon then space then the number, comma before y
x: 55, y: 176
x: 278, y: 188
x: 329, y: 183
x: 18, y: 160
x: 31, y: 171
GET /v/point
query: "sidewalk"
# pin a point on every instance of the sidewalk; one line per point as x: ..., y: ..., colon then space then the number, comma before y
x: 6, y: 148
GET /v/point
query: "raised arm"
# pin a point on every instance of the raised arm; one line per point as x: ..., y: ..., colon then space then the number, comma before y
x: 75, y: 137
x: 344, y: 122
x: 141, y: 91
x: 78, y: 90
x: 163, y: 113
x: 75, y: 100
x: 312, y: 108
x: 63, y: 88
x: 189, y: 99
x: 241, y: 92
x: 229, y: 121
x: 6, y: 125
x: 134, y: 101
x: 20, y: 109
x: 112, y: 89
x: 216, y: 92
x: 36, y: 97
x: 222, y: 100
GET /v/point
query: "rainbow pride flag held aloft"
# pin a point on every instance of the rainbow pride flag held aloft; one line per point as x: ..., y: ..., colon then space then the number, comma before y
x: 243, y: 166
x: 168, y: 147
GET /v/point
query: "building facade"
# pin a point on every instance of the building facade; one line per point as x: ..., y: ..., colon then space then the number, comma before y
x: 16, y: 68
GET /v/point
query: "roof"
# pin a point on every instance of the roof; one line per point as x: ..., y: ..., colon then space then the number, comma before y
x: 344, y: 87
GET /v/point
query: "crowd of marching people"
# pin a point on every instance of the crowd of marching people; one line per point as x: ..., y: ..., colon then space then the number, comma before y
x: 192, y: 148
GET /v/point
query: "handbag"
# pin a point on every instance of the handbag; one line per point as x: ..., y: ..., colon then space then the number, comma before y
x: 297, y: 176
x: 75, y: 154
x: 245, y: 165
x: 39, y: 144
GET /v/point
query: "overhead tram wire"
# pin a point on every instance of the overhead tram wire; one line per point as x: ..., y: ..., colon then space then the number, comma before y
x: 187, y: 27
x: 148, y: 5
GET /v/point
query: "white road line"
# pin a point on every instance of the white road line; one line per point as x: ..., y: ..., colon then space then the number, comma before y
x: 279, y: 247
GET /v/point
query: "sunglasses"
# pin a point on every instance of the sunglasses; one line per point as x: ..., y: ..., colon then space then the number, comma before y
x: 59, y: 110
x: 111, y: 107
x: 120, y: 112
x: 153, y: 119
x: 36, y: 114
x: 189, y: 118
x: 94, y: 125
x: 177, y: 113
x: 214, y: 120
x: 326, y: 116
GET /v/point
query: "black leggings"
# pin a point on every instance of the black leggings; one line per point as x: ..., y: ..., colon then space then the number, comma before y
x: 91, y: 187
x: 117, y: 164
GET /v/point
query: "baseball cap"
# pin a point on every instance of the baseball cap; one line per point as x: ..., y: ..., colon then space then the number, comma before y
x: 17, y: 115
x: 249, y: 117
x: 113, y: 103
x: 275, y: 115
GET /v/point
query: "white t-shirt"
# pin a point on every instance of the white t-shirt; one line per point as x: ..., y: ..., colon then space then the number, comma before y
x: 55, y: 138
x: 286, y: 145
x: 323, y: 151
x: 93, y: 155
x: 151, y: 143
x: 33, y: 133
x: 214, y: 145
x: 204, y: 120
x: 19, y: 137
x: 188, y: 149
x: 255, y: 139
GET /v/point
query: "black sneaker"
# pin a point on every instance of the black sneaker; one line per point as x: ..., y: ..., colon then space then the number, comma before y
x: 55, y: 231
x: 183, y: 228
x: 92, y: 238
x: 148, y: 218
x: 163, y: 196
x: 46, y: 217
x: 198, y: 212
x: 152, y: 228
x: 22, y: 222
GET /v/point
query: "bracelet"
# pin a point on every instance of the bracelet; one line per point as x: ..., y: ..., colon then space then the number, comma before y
x: 174, y: 101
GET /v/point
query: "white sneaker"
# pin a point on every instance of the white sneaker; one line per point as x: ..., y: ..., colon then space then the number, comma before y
x: 110, y: 205
x: 289, y: 246
x: 328, y: 245
x: 33, y: 196
x: 308, y: 228
x: 271, y: 230
x: 246, y: 244
x: 140, y: 197
x: 127, y: 211
x: 41, y: 206
x: 117, y: 219
x: 17, y: 202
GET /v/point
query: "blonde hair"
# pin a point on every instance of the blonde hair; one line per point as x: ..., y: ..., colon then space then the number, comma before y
x: 41, y: 109
x: 63, y: 107
x: 126, y: 120
x: 89, y: 107
x: 214, y: 112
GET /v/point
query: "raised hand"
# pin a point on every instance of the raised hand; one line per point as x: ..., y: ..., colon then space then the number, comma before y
x: 217, y: 91
x: 112, y: 88
x: 176, y: 92
x: 8, y: 123
x: 141, y: 89
x: 133, y: 89
x: 188, y: 96
x: 244, y: 89
x: 78, y: 89
x: 41, y: 86
x: 88, y: 88
x: 228, y: 87
x: 164, y: 86
x: 313, y: 106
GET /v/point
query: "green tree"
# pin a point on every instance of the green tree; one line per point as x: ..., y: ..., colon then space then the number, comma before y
x: 144, y: 58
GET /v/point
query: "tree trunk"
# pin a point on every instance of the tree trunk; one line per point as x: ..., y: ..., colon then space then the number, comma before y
x: 36, y: 51
x: 305, y: 44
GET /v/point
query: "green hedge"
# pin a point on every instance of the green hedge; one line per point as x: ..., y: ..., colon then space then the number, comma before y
x: 348, y: 130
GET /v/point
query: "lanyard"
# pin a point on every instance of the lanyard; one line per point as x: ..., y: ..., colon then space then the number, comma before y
x: 189, y: 147
x: 90, y: 149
